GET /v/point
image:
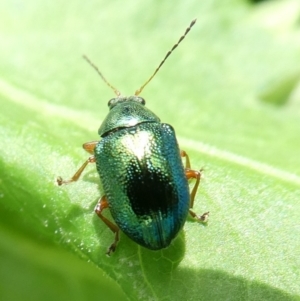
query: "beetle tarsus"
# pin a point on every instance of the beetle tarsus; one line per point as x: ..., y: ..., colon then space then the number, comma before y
x: 111, y: 249
x: 204, y: 217
x: 59, y: 181
x: 113, y: 246
x: 200, y: 218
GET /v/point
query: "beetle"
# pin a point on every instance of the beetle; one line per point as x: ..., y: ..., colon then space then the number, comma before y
x: 140, y: 166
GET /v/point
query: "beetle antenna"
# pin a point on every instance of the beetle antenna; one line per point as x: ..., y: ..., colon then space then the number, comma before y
x: 137, y: 92
x: 117, y: 92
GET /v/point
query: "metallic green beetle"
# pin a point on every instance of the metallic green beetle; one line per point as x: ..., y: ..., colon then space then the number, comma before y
x: 140, y: 167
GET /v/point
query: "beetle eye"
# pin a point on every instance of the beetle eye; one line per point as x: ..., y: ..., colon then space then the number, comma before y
x: 142, y: 101
x: 111, y: 102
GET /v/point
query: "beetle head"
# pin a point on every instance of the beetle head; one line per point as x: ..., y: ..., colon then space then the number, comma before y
x: 117, y: 100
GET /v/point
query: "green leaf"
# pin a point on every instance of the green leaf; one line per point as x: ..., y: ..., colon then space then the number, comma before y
x: 52, y: 245
x: 31, y: 270
x: 280, y: 90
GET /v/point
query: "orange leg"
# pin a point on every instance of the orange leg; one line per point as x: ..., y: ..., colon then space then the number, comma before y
x: 102, y: 204
x: 89, y: 147
x: 193, y: 174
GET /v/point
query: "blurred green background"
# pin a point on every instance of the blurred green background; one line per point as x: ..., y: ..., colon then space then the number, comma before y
x: 231, y: 91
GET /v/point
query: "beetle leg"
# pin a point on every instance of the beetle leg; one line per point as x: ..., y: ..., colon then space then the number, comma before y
x: 190, y: 173
x: 102, y: 204
x: 187, y: 159
x: 193, y: 174
x: 89, y: 147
